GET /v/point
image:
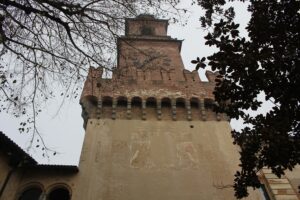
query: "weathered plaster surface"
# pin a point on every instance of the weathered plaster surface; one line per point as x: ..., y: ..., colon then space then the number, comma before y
x: 135, y: 159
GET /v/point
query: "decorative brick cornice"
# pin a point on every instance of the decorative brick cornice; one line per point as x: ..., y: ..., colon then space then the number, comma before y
x: 278, y: 188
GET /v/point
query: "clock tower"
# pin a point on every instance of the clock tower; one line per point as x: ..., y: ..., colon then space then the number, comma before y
x: 150, y: 129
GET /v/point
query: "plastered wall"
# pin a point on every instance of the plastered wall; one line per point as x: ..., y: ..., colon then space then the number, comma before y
x: 134, y: 159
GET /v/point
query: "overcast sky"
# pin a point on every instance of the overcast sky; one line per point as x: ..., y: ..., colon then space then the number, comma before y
x: 64, y: 132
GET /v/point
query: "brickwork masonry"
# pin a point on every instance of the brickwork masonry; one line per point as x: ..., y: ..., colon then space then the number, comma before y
x: 117, y: 98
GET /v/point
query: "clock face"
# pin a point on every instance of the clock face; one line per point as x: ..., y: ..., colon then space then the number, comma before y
x: 149, y: 59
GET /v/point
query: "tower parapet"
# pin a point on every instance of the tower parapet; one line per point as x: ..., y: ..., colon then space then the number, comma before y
x: 150, y: 82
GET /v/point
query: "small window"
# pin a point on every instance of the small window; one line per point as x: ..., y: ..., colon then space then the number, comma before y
x: 59, y: 194
x: 146, y: 30
x: 31, y: 194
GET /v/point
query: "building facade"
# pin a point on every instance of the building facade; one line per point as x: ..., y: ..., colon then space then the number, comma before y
x: 150, y: 133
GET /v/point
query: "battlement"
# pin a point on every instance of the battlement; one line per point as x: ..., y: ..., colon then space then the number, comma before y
x: 145, y: 98
x: 160, y: 76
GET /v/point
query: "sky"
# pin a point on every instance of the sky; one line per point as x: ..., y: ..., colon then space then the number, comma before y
x: 64, y: 133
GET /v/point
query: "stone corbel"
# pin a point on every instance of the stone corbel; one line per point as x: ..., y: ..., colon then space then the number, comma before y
x: 114, y: 106
x: 128, y: 112
x: 173, y: 102
x: 188, y: 108
x: 159, y: 110
x: 99, y: 109
x: 144, y: 115
x: 202, y: 110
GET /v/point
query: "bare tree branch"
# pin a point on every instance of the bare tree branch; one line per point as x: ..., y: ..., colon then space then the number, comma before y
x: 49, y: 44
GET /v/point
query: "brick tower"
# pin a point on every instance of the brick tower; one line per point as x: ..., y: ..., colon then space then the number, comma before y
x: 150, y: 130
x: 150, y: 135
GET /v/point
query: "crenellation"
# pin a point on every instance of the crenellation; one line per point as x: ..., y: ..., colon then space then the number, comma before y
x: 211, y: 76
x: 98, y: 85
x: 191, y: 76
x: 95, y: 73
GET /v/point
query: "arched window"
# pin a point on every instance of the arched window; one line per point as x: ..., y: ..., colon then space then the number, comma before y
x: 32, y: 193
x: 59, y: 193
